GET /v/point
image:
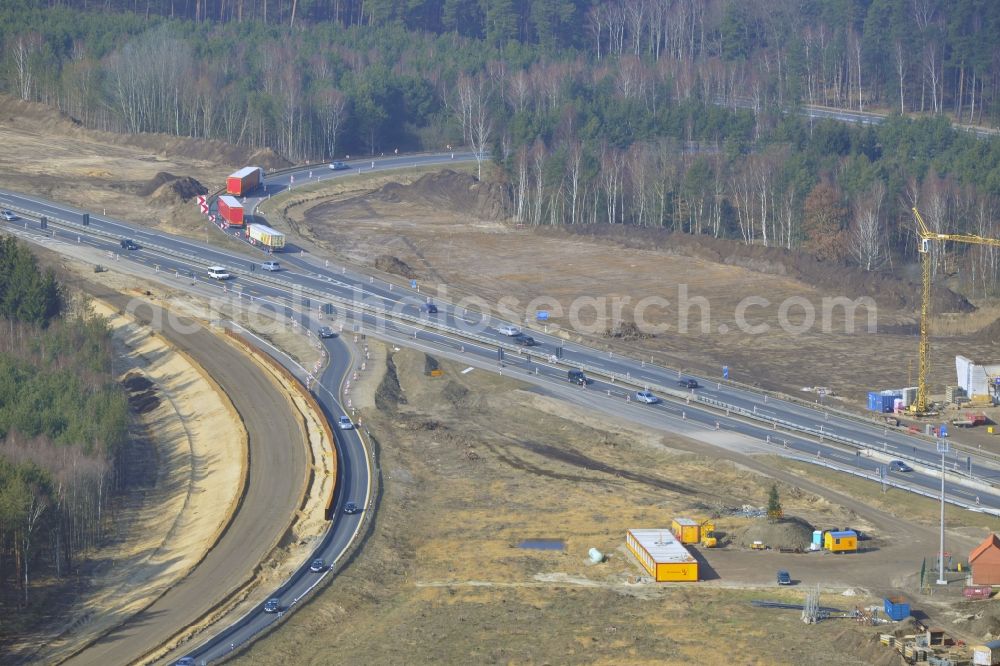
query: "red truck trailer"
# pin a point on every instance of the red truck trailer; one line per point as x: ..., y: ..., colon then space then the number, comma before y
x: 245, y: 180
x: 231, y: 210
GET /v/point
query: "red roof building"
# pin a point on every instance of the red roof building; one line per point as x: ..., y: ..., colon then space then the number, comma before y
x: 985, y: 562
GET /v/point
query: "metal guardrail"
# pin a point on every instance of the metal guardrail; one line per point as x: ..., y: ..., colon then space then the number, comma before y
x: 417, y: 322
x: 892, y: 483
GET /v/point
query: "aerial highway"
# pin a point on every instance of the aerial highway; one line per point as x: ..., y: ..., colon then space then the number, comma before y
x: 313, y: 290
x: 269, y: 499
x: 352, y: 487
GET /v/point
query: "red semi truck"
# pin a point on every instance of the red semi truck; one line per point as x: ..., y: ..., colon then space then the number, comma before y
x: 243, y: 181
x: 231, y: 210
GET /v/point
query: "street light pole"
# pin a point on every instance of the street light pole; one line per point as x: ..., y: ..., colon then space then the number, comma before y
x: 942, y: 447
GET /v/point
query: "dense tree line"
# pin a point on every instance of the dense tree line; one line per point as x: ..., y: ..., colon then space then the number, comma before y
x: 63, y: 422
x: 668, y: 113
x: 26, y: 294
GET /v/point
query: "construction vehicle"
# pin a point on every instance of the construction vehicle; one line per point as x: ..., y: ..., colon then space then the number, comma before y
x: 758, y: 545
x: 919, y: 407
x: 708, y: 538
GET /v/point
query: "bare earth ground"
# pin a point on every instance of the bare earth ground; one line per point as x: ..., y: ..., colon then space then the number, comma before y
x: 474, y: 463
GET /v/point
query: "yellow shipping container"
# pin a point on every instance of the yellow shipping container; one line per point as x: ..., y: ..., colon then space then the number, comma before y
x: 841, y: 542
x: 663, y: 556
x: 686, y: 530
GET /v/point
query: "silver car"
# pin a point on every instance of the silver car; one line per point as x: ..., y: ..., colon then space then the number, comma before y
x: 646, y: 397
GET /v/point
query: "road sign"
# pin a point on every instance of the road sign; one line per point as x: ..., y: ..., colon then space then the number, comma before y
x: 725, y: 372
x: 943, y: 430
x: 942, y: 446
x: 413, y: 284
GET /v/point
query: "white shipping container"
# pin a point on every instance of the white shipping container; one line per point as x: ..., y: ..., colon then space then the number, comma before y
x: 987, y: 654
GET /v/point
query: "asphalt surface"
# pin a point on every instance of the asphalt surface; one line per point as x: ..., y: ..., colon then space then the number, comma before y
x: 352, y: 486
x: 276, y: 481
x: 315, y: 290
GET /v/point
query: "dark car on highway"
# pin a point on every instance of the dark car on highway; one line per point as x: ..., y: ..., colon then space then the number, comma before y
x: 429, y: 308
x: 272, y: 605
x: 129, y: 244
x: 351, y: 508
x: 577, y: 377
x: 339, y: 166
x: 326, y: 332
x: 317, y: 566
x: 688, y: 383
x: 899, y: 466
x: 525, y: 340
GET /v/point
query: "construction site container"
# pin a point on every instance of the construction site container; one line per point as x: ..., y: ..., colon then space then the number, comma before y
x: 664, y: 557
x: 987, y: 654
x: 977, y: 591
x: 909, y: 396
x: 841, y: 542
x: 818, y: 537
x: 686, y: 530
x: 896, y: 608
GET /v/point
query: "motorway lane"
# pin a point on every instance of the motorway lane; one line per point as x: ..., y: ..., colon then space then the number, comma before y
x: 352, y: 486
x: 393, y: 298
x: 276, y: 482
x: 666, y: 415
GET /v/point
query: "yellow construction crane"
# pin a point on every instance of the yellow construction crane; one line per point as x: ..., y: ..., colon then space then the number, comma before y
x: 926, y: 236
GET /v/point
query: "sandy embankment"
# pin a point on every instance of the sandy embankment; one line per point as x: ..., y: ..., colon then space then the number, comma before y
x: 201, y: 449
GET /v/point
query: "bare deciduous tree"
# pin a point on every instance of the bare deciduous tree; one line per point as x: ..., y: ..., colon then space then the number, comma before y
x: 868, y: 242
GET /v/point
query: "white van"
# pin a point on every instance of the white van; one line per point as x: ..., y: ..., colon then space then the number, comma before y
x: 218, y: 273
x: 508, y: 329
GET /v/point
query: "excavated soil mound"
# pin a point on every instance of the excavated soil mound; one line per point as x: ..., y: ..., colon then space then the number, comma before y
x: 979, y: 618
x: 268, y: 159
x: 989, y: 334
x: 166, y: 188
x: 785, y: 533
x: 867, y: 648
x: 134, y: 383
x: 142, y: 396
x: 450, y: 190
x: 834, y: 277
x: 395, y: 265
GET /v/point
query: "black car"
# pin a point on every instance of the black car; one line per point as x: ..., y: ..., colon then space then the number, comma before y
x: 525, y: 340
x: 429, y: 308
x: 317, y: 566
x: 272, y: 605
x: 326, y: 332
x: 129, y: 244
x: 351, y: 508
x: 899, y: 466
x: 784, y: 578
x: 577, y: 377
x: 688, y: 383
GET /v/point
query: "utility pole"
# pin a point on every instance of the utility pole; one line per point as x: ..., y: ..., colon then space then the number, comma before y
x: 942, y: 447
